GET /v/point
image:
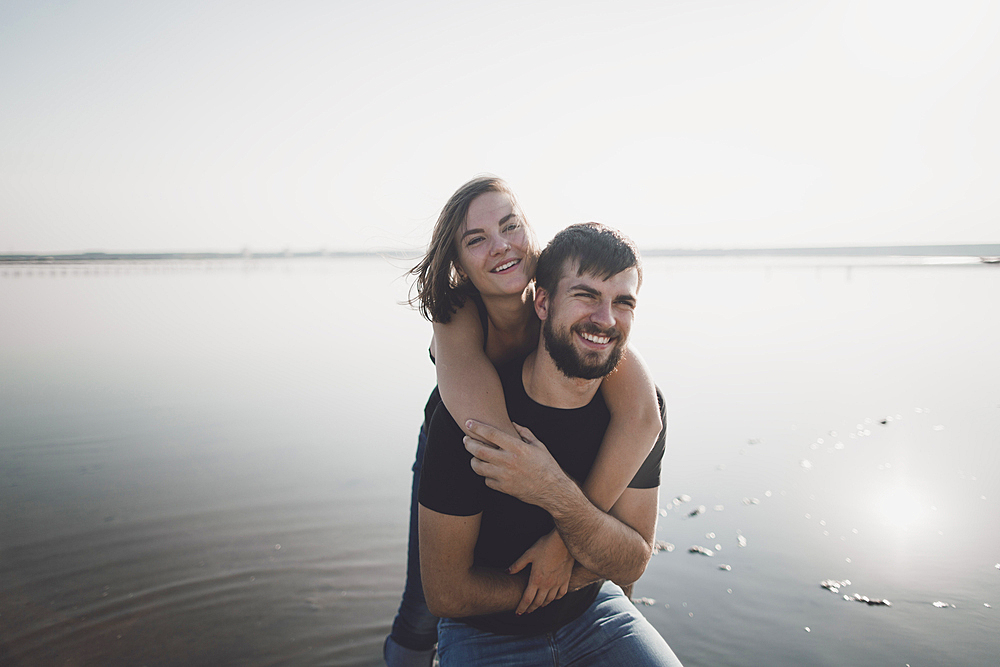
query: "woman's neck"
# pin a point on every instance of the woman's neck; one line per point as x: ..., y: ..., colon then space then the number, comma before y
x: 512, y: 314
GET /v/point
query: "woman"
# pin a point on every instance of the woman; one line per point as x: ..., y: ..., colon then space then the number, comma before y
x: 475, y: 284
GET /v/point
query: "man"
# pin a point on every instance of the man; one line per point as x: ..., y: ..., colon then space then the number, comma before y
x: 484, y: 501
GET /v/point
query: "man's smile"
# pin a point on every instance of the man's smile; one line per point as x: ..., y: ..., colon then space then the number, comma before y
x: 593, y: 338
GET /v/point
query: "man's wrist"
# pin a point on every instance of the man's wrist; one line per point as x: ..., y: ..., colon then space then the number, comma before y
x: 563, y: 498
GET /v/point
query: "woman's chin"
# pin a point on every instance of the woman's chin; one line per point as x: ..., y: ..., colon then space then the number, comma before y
x: 509, y: 285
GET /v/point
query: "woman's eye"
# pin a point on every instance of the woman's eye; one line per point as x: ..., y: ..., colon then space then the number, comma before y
x: 511, y: 227
x: 473, y: 241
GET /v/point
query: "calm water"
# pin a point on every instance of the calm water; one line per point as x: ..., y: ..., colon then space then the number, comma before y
x: 209, y: 463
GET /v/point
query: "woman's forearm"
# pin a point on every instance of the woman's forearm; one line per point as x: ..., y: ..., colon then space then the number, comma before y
x: 634, y: 427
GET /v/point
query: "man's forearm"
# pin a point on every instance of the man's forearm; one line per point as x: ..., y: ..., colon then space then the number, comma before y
x: 482, y: 591
x: 600, y: 542
x: 614, y: 546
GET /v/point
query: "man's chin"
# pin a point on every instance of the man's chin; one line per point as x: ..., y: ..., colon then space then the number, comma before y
x: 577, y: 362
x: 594, y: 365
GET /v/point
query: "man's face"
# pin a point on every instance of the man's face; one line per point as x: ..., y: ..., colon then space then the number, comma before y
x: 587, y: 321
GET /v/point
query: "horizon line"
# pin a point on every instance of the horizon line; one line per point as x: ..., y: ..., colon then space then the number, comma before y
x: 989, y: 250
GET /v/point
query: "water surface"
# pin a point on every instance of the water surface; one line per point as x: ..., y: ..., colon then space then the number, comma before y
x: 207, y: 463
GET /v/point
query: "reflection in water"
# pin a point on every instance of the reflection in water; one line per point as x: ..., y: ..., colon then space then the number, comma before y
x: 902, y: 507
x: 208, y: 463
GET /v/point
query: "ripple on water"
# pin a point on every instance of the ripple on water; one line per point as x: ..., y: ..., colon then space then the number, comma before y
x: 206, y: 587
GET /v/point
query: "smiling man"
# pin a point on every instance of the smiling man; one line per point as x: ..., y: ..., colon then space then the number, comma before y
x: 484, y: 501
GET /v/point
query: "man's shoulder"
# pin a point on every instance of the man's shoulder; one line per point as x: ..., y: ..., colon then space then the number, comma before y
x: 440, y: 423
x: 448, y: 484
x: 510, y: 369
x: 510, y: 378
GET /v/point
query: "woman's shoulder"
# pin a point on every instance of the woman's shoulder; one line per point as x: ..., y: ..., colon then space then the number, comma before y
x: 467, y: 319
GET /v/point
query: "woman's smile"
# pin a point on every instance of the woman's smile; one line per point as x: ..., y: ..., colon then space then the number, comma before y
x: 509, y: 264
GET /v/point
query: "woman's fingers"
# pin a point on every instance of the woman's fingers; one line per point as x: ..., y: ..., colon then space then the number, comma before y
x: 526, y: 605
x: 520, y: 563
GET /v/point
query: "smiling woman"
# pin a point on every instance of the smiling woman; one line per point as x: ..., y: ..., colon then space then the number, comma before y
x: 496, y: 246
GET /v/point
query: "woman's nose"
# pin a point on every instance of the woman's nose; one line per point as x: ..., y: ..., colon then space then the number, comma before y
x: 500, y: 245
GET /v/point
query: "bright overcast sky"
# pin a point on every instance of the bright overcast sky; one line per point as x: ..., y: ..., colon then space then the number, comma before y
x: 190, y: 125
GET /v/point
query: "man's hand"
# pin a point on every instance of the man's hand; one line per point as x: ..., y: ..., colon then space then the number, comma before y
x: 521, y: 468
x: 551, y: 567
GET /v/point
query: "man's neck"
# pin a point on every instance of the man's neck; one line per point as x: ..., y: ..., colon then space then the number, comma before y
x: 547, y: 385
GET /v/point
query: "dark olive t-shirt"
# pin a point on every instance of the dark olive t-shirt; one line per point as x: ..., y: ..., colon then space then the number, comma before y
x: 509, y: 527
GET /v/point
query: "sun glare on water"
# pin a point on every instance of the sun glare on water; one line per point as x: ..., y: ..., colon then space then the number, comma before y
x: 901, y: 507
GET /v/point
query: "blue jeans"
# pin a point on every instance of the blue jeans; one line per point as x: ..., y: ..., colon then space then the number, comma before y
x: 414, y: 630
x: 611, y: 632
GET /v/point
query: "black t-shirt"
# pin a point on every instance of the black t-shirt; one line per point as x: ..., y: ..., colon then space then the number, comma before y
x: 509, y: 527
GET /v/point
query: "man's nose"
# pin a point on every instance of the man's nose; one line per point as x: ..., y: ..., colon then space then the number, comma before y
x: 602, y: 315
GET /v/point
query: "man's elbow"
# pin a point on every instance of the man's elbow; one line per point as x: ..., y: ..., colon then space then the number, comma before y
x: 630, y: 574
x: 445, y: 601
x: 437, y: 607
x: 437, y: 600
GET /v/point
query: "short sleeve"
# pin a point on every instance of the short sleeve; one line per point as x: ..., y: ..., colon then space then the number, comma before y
x: 648, y: 475
x: 448, y: 484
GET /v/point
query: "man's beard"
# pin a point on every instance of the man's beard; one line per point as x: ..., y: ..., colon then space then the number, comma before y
x: 569, y: 360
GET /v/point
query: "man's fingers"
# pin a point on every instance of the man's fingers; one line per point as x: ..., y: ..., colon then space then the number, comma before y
x: 483, y: 469
x: 525, y: 433
x: 488, y: 433
x: 481, y: 450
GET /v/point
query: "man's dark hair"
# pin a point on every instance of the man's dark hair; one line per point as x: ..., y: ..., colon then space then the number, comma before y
x: 600, y: 250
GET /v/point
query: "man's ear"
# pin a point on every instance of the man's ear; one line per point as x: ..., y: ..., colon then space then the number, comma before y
x: 541, y: 303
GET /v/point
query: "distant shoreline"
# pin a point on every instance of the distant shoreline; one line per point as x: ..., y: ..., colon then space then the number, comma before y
x: 984, y: 250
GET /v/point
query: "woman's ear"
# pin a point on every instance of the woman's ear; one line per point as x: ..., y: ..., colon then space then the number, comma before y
x: 459, y: 271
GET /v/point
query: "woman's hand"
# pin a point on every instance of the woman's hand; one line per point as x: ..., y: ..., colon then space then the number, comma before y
x: 551, y: 567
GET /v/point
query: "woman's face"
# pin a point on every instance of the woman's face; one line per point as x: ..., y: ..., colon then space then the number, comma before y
x: 494, y: 246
